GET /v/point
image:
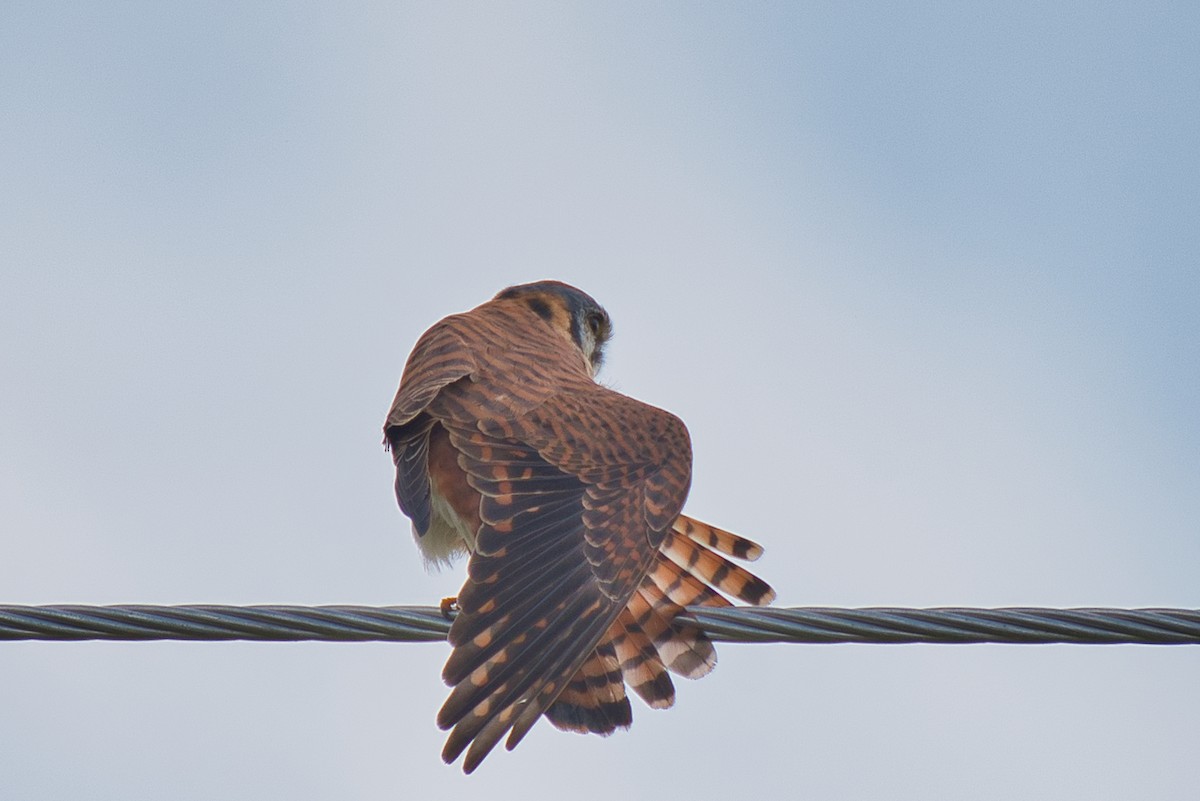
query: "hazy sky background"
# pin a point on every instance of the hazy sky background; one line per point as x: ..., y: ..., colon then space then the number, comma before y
x: 922, y: 279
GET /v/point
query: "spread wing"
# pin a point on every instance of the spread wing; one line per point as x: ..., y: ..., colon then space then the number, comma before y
x: 576, y: 497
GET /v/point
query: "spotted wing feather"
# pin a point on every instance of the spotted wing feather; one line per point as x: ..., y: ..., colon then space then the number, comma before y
x: 569, y: 530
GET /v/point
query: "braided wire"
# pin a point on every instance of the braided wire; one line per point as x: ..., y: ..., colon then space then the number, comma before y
x: 949, y: 625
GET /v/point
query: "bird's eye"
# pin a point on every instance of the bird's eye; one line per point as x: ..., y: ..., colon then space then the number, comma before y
x: 595, y: 324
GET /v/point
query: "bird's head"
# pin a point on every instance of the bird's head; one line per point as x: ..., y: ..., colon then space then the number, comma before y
x: 571, y: 312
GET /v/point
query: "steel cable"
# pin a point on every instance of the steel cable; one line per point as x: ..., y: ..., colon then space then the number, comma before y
x: 813, y: 624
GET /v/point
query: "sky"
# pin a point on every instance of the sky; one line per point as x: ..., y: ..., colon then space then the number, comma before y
x: 922, y: 280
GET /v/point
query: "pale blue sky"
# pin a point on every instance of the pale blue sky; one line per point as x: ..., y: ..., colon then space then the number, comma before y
x: 922, y: 280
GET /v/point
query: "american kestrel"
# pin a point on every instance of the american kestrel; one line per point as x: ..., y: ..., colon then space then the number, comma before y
x: 566, y: 497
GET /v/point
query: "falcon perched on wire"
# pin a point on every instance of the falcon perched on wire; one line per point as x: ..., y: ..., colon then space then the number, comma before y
x: 566, y: 496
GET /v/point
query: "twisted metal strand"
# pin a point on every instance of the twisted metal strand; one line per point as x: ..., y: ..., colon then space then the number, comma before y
x: 216, y: 622
x: 951, y: 625
x: 734, y: 624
